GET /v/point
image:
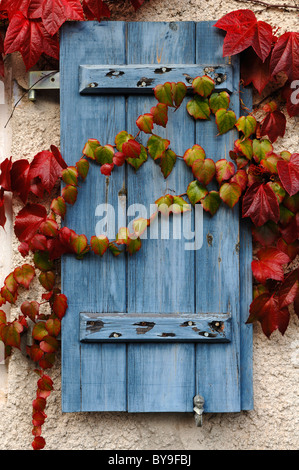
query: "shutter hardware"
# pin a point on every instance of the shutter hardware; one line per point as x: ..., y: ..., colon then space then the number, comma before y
x: 198, y: 409
x: 42, y: 80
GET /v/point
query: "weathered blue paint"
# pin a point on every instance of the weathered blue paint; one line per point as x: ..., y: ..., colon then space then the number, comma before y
x: 143, y: 78
x: 162, y: 278
x: 128, y: 328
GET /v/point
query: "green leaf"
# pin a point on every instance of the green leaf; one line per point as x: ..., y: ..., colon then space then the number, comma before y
x: 203, y: 86
x: 133, y: 245
x: 83, y: 167
x: 194, y: 153
x: 204, y: 170
x: 164, y: 203
x: 10, y: 334
x: 145, y: 123
x: 39, y: 331
x: 115, y: 250
x: 163, y: 93
x: 53, y: 326
x: 225, y: 120
x: 245, y: 147
x: 199, y: 108
x: 247, y: 125
x: 157, y: 146
x: 24, y: 275
x: 70, y: 175
x: 211, y: 202
x: 122, y: 236
x: 261, y: 148
x: 180, y: 205
x: 69, y: 194
x: 160, y: 114
x: 167, y: 162
x: 79, y: 244
x: 219, y: 101
x: 137, y: 162
x: 179, y: 91
x: 42, y: 261
x: 121, y: 138
x: 99, y: 244
x: 47, y: 279
x: 139, y: 226
x: 90, y: 147
x: 58, y: 206
x: 224, y: 170
x: 104, y: 154
x: 230, y: 193
x: 196, y: 192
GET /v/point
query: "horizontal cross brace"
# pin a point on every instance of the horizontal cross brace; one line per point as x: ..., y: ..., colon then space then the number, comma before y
x: 127, y: 79
x: 149, y: 327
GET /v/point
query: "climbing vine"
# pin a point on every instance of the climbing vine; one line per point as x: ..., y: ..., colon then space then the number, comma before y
x: 264, y: 181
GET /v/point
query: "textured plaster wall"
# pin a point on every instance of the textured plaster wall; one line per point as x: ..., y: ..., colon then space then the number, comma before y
x: 274, y: 422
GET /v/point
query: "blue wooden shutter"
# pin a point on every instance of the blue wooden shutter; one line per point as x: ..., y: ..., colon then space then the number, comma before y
x: 139, y: 373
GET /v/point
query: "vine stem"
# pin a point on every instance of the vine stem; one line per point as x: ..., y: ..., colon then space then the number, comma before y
x: 269, y: 5
x: 25, y: 93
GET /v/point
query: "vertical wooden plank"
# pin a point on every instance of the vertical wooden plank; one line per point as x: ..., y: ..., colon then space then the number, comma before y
x: 217, y: 263
x: 246, y: 333
x: 161, y: 276
x: 92, y: 284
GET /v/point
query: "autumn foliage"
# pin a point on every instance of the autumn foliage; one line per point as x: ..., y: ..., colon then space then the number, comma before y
x: 264, y: 181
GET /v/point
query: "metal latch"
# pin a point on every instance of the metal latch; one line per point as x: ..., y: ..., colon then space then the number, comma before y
x: 42, y: 80
x: 198, y: 409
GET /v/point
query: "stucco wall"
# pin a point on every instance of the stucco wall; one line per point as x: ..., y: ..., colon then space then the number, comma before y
x: 274, y: 422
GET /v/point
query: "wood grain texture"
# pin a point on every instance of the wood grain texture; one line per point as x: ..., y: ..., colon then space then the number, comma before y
x: 127, y: 328
x: 217, y: 264
x: 163, y: 277
x: 143, y: 78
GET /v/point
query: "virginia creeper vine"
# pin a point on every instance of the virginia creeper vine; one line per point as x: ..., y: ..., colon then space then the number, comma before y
x: 264, y: 181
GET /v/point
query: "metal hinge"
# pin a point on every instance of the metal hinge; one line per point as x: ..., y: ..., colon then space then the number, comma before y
x: 198, y: 409
x: 42, y: 80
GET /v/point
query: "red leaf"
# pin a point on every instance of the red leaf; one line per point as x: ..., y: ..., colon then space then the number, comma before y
x: 107, y: 168
x: 28, y: 221
x: 274, y: 125
x: 60, y: 305
x: 291, y: 94
x: 137, y: 3
x: 289, y: 289
x: 5, y: 179
x: 269, y: 265
x: 56, y: 12
x: 30, y: 38
x: 19, y: 179
x: 260, y: 204
x: 265, y: 309
x: 46, y: 167
x: 45, y: 383
x: 131, y: 148
x: 119, y: 158
x: 95, y: 9
x: 24, y: 275
x: 10, y: 334
x: 288, y: 173
x: 240, y: 26
x: 2, y: 208
x: 285, y: 56
x: 254, y: 71
x: 262, y: 40
x: 1, y: 55
x: 38, y: 443
x: 30, y: 309
x: 58, y: 156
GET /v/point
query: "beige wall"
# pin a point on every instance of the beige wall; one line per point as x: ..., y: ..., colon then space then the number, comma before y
x: 274, y: 422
